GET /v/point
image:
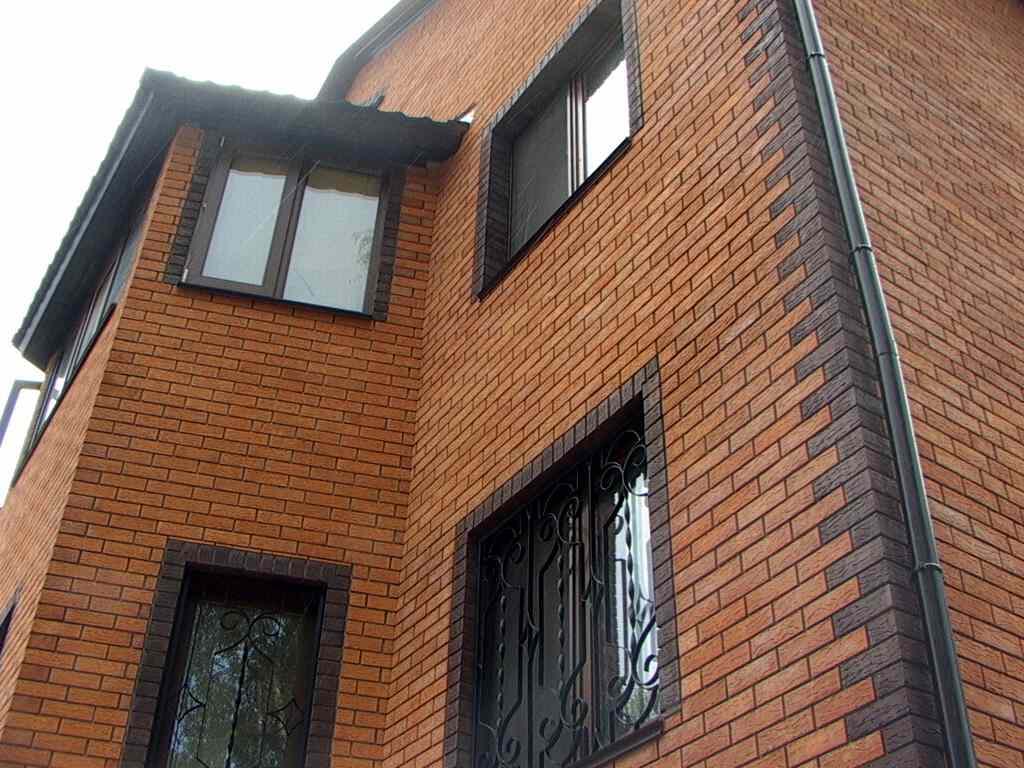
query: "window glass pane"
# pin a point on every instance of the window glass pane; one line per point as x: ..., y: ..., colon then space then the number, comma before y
x: 126, y: 259
x: 56, y: 386
x: 606, y: 107
x: 540, y: 170
x: 91, y: 322
x: 330, y: 261
x: 628, y: 641
x: 240, y: 245
x: 243, y: 695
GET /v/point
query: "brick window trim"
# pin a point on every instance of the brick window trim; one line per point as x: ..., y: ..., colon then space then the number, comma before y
x: 492, y: 257
x: 643, y: 388
x: 334, y: 578
x: 385, y: 241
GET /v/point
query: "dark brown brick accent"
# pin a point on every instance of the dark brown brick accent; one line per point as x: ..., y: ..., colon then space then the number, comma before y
x: 492, y: 216
x: 182, y: 555
x: 175, y: 265
x: 493, y: 259
x: 390, y: 218
x: 631, y: 46
x: 643, y: 389
x: 896, y: 658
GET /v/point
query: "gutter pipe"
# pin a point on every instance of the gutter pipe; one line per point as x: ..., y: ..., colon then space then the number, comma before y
x: 927, y: 571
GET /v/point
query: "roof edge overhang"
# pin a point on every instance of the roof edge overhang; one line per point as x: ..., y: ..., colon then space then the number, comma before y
x: 162, y: 103
x: 374, y: 40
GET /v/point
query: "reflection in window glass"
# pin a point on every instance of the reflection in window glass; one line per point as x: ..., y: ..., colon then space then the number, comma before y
x: 606, y: 108
x: 244, y: 692
x: 629, y: 643
x: 126, y: 258
x: 330, y: 258
x: 60, y: 377
x: 240, y: 245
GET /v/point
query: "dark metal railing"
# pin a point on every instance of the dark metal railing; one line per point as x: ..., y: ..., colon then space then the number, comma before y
x: 12, y: 401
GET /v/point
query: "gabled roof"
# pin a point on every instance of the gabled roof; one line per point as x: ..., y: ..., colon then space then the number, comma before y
x: 162, y: 103
x: 375, y: 39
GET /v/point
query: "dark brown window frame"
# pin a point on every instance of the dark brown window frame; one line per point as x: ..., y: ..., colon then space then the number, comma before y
x: 578, y: 46
x: 8, y: 620
x: 181, y: 556
x: 248, y: 587
x: 299, y: 164
x: 642, y: 390
x: 77, y: 345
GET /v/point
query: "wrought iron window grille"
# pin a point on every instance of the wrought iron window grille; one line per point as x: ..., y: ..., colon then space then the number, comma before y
x: 567, y: 635
x: 239, y: 688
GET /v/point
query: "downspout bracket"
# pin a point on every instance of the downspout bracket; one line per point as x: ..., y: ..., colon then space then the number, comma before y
x: 926, y: 567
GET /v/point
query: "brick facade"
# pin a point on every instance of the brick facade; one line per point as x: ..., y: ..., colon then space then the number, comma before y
x: 712, y: 246
x: 235, y: 422
x: 935, y: 116
x: 31, y: 518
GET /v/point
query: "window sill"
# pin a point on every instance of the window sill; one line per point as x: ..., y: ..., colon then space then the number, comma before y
x: 645, y: 733
x: 30, y: 447
x: 194, y: 284
x: 563, y: 209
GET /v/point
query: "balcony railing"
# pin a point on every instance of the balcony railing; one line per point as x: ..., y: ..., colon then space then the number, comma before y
x: 17, y: 388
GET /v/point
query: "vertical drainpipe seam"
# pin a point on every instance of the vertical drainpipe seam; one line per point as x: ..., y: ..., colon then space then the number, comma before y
x: 927, y: 572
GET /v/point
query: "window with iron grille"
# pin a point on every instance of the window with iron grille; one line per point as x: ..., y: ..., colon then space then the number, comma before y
x: 567, y: 635
x: 239, y: 683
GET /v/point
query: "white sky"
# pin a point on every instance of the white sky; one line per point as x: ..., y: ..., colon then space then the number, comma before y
x: 68, y: 71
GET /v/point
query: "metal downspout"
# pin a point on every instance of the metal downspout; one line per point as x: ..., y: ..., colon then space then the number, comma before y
x: 927, y: 572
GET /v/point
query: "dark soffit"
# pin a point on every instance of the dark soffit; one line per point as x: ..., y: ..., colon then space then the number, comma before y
x: 375, y: 39
x: 162, y: 103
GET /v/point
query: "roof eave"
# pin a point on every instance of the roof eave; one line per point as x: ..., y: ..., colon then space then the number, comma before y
x: 339, y: 80
x: 162, y: 103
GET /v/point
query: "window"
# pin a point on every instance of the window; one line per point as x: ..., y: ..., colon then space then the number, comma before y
x: 568, y: 140
x: 243, y: 615
x: 569, y: 123
x: 289, y: 229
x: 567, y: 636
x: 82, y: 333
x: 5, y: 626
x: 241, y: 674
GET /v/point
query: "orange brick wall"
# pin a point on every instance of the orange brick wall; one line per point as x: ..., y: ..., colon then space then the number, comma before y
x: 933, y: 102
x: 29, y: 523
x: 712, y: 244
x: 239, y: 422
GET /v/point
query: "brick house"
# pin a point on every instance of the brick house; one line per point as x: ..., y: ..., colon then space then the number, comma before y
x: 526, y: 400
